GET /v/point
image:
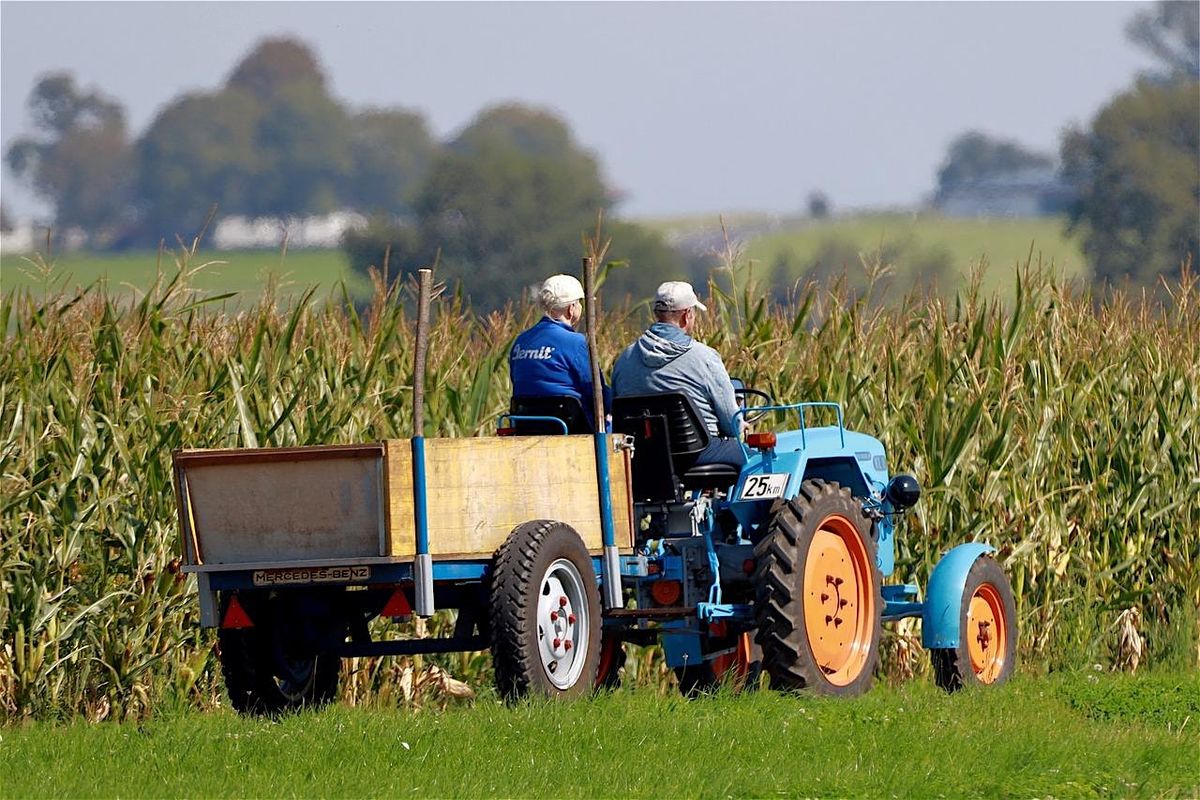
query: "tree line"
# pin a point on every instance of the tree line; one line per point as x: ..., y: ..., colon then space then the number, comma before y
x: 504, y: 201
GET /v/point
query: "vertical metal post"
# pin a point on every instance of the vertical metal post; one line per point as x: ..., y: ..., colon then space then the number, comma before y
x: 611, y: 565
x: 422, y: 562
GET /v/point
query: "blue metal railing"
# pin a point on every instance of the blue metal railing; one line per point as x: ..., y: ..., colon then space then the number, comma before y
x: 799, y: 409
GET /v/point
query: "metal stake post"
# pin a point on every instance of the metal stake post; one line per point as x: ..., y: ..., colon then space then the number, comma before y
x: 422, y: 562
x: 611, y: 570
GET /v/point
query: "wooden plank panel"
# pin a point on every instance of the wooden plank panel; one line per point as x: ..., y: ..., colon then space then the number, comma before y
x: 254, y: 510
x: 480, y: 489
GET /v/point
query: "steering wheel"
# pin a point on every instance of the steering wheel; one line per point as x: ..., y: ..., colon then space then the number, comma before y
x: 744, y: 394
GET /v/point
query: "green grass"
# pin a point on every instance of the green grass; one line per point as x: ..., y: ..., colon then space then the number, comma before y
x: 1033, y: 737
x: 1004, y: 242
x: 247, y: 272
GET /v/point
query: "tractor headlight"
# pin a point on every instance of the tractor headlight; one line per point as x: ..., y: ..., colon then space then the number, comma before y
x: 903, y: 491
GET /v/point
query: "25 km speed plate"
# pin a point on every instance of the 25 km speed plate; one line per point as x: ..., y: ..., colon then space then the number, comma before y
x: 765, y: 487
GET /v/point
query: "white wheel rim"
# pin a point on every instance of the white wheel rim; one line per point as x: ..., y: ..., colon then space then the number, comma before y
x: 562, y: 624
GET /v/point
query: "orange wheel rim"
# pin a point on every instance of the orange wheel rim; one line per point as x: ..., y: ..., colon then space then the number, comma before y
x: 839, y: 604
x: 987, y: 633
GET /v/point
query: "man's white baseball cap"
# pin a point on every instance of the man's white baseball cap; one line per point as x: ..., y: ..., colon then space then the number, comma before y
x: 676, y: 296
x: 560, y: 290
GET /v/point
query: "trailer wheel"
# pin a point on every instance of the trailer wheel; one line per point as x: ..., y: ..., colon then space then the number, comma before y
x: 545, y: 613
x: 819, y: 600
x: 741, y: 669
x: 987, y: 647
x: 267, y: 672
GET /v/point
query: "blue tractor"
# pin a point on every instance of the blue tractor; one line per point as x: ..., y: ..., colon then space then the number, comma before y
x: 779, y: 566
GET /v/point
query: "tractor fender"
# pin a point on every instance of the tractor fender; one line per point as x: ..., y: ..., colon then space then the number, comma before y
x: 940, y: 618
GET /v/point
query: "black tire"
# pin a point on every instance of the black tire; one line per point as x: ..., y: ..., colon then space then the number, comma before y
x: 267, y: 673
x: 953, y: 668
x: 782, y: 557
x: 703, y: 678
x: 533, y: 650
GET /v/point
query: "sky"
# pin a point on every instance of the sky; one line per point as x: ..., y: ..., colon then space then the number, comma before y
x: 692, y: 108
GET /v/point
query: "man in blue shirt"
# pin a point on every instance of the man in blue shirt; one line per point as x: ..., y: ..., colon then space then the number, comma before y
x: 551, y: 358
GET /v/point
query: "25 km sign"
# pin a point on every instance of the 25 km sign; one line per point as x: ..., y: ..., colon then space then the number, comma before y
x: 765, y: 487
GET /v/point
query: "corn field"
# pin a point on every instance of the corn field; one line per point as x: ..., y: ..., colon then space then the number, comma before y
x: 1062, y: 427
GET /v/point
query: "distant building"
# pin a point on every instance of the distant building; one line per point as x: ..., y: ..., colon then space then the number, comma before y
x: 241, y: 233
x: 1036, y: 192
x: 18, y: 240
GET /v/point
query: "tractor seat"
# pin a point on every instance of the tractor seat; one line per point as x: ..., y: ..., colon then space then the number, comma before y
x: 710, y: 476
x: 564, y: 407
x: 669, y: 438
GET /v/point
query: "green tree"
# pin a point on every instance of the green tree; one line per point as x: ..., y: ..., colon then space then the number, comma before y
x: 975, y: 156
x: 199, y: 151
x: 1136, y: 172
x: 392, y: 151
x: 80, y: 161
x: 1170, y: 30
x: 507, y: 201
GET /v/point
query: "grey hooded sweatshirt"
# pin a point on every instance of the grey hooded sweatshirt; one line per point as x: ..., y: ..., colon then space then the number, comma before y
x: 665, y: 359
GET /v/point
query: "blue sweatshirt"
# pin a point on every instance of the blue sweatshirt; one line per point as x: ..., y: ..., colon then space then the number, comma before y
x: 666, y: 359
x: 551, y: 360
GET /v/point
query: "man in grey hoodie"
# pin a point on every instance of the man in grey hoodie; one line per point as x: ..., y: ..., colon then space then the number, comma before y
x: 667, y: 359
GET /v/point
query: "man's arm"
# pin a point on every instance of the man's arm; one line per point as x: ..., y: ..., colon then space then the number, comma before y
x: 723, y: 398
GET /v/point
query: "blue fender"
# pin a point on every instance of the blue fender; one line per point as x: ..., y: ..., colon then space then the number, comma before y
x: 943, y: 599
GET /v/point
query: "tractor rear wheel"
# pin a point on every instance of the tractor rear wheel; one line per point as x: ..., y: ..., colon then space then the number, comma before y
x: 987, y: 646
x: 268, y: 671
x: 819, y: 600
x: 545, y: 613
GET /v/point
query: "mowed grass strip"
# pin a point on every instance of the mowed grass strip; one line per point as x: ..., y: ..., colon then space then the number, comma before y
x: 1033, y: 737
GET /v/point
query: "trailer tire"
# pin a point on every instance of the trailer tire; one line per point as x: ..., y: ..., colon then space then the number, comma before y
x: 545, y: 613
x: 266, y: 675
x: 987, y: 647
x: 815, y: 634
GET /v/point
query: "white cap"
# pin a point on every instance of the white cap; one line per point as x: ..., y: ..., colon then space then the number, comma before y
x: 676, y: 296
x: 559, y: 291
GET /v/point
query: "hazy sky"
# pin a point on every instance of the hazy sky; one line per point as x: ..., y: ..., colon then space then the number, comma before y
x: 692, y: 107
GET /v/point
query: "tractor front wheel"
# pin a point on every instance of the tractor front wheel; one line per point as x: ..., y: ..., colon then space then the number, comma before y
x: 987, y: 639
x: 545, y: 613
x: 819, y: 600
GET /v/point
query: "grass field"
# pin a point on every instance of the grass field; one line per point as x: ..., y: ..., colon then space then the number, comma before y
x: 1079, y: 735
x: 246, y: 272
x: 1004, y: 243
x: 964, y: 242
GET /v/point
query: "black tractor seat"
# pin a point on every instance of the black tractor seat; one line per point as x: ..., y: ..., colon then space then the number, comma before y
x: 669, y: 437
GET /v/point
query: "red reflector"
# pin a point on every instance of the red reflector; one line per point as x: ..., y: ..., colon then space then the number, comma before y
x: 761, y: 441
x: 397, y: 605
x: 506, y: 431
x: 236, y: 616
x: 748, y: 566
